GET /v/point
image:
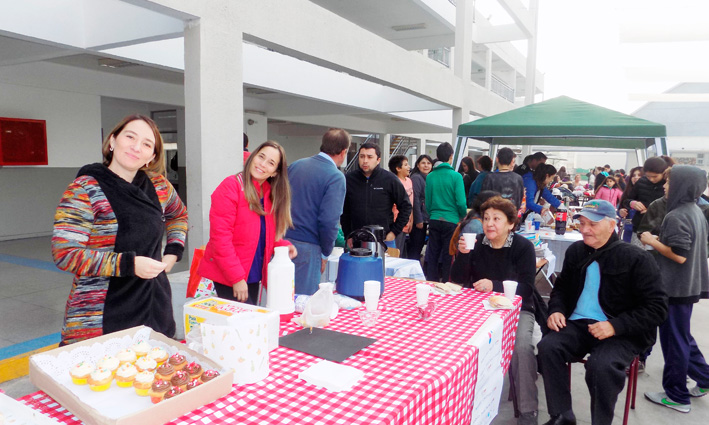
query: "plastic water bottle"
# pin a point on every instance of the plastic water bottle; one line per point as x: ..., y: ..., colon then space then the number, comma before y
x: 560, y: 219
x: 281, y: 284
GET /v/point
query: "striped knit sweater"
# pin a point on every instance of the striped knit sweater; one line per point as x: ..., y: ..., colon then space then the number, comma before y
x: 85, y: 229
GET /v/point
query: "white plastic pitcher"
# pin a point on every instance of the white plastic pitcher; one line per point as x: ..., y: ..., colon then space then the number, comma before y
x: 281, y: 282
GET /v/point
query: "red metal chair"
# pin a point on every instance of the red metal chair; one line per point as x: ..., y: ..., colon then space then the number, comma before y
x: 632, y: 385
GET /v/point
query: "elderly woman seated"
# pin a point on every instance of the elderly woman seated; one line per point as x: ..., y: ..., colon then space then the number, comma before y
x: 501, y: 254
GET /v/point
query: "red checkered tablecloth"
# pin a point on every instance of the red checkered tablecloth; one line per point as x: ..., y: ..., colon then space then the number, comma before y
x: 418, y: 372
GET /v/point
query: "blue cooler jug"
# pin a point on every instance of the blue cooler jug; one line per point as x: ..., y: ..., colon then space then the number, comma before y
x: 355, y: 267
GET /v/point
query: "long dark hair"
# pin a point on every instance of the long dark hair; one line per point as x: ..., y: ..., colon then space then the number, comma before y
x: 541, y: 173
x: 418, y: 161
x: 629, y: 183
x: 471, y: 166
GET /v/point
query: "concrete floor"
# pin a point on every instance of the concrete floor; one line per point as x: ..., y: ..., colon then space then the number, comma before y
x: 33, y: 293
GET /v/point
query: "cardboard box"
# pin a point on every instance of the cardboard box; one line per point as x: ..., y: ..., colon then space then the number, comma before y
x: 160, y: 413
x: 216, y: 311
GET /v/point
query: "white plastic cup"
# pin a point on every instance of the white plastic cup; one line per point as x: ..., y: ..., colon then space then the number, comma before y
x: 372, y: 289
x: 422, y: 291
x: 529, y: 226
x: 470, y: 240
x: 510, y: 289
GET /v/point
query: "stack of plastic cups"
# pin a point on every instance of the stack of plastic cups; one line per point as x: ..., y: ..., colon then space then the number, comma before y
x: 371, y: 294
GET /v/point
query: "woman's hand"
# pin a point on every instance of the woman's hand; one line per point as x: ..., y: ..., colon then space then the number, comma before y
x: 241, y: 291
x: 638, y: 206
x: 419, y: 225
x: 648, y: 238
x: 170, y: 260
x: 483, y: 285
x: 292, y: 252
x: 147, y: 268
x: 462, y: 246
x: 623, y: 212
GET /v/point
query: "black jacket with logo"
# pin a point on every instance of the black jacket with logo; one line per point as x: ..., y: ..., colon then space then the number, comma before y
x: 370, y: 201
x: 631, y: 293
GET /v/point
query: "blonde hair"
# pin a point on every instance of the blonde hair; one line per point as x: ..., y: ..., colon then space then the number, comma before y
x: 157, y: 165
x: 280, y: 190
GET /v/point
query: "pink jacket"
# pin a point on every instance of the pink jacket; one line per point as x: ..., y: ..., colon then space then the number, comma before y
x: 234, y: 232
x: 611, y: 195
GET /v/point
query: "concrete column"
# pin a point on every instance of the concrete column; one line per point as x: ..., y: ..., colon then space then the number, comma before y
x: 488, y: 69
x: 530, y: 81
x: 385, y: 146
x: 181, y: 155
x: 213, y: 112
x: 462, y: 60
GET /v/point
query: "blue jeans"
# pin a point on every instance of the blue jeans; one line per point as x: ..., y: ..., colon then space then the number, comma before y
x: 307, y: 267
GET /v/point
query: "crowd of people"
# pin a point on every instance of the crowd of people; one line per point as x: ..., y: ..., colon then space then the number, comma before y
x: 608, y: 301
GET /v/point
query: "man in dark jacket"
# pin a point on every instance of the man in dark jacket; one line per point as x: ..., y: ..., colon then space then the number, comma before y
x: 371, y: 194
x: 608, y: 300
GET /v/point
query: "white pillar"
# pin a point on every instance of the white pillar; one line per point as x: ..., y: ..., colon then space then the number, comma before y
x: 462, y: 60
x: 488, y: 69
x: 530, y: 81
x: 213, y: 113
x: 385, y: 146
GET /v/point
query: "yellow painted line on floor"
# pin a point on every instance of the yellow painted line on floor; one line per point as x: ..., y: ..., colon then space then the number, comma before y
x: 19, y: 366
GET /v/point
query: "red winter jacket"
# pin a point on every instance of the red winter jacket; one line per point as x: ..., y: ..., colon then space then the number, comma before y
x: 234, y: 232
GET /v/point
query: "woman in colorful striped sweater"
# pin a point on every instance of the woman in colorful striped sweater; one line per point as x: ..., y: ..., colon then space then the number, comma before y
x: 108, y: 231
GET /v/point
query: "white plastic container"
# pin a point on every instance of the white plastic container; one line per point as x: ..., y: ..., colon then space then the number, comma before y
x: 281, y: 284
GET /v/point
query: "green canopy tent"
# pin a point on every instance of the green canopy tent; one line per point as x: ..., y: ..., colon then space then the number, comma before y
x: 563, y: 121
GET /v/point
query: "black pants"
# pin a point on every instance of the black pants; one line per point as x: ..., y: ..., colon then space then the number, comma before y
x: 417, y: 239
x: 439, y: 237
x: 227, y: 292
x: 605, y: 368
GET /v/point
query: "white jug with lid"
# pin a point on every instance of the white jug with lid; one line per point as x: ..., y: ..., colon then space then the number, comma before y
x: 281, y: 284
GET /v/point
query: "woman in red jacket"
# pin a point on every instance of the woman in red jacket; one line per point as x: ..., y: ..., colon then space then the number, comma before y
x: 250, y: 213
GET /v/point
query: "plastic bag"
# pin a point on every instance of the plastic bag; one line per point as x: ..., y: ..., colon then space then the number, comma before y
x: 318, y: 308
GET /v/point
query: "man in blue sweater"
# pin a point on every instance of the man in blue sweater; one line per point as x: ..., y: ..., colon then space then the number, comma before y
x: 317, y: 196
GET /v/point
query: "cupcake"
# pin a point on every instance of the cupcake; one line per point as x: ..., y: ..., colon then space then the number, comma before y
x: 180, y: 379
x: 146, y: 363
x: 143, y: 382
x: 194, y: 370
x: 126, y: 356
x: 80, y: 372
x: 125, y: 375
x: 165, y: 372
x: 208, y: 375
x: 108, y: 362
x: 178, y: 361
x: 158, y: 390
x: 172, y: 392
x: 193, y: 383
x: 141, y: 348
x: 158, y: 354
x: 100, y: 379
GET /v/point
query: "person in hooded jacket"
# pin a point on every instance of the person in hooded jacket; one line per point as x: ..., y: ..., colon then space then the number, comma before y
x: 683, y: 266
x: 648, y: 188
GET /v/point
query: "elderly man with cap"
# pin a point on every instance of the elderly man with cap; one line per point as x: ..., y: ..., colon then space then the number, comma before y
x: 607, y: 302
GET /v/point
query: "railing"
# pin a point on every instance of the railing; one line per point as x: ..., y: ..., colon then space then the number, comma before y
x: 501, y: 89
x: 441, y: 55
x: 350, y: 165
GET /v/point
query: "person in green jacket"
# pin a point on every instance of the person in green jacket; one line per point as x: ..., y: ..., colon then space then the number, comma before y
x: 445, y: 204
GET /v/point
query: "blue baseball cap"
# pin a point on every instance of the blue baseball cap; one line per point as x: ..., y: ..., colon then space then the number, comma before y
x: 597, y: 210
